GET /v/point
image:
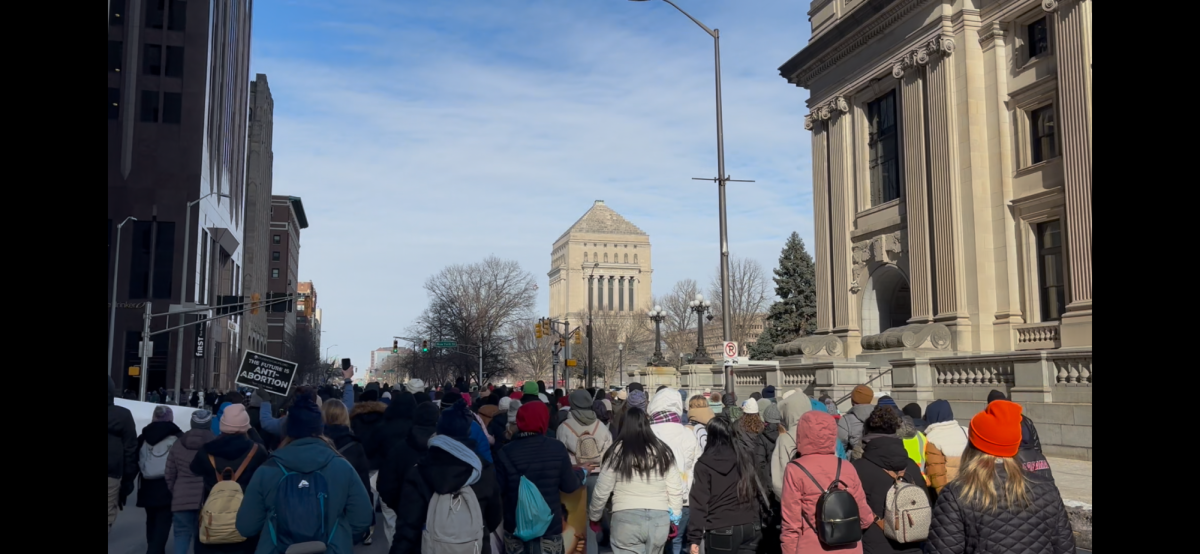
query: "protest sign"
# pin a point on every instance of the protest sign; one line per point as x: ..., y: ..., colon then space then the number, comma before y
x: 260, y: 371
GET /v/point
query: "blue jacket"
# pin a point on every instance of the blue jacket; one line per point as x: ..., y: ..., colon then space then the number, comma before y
x: 481, y: 443
x: 348, y: 504
x: 274, y: 425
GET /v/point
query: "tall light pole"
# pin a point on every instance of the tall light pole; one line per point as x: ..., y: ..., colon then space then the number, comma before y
x: 700, y: 306
x: 721, y: 179
x: 587, y: 373
x: 621, y: 362
x: 112, y: 310
x: 657, y: 315
x: 183, y: 292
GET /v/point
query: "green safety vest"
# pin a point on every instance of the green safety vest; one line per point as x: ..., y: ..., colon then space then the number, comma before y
x: 916, y: 450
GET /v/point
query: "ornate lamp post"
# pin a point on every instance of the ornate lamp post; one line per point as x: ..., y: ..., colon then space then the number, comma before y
x: 700, y: 306
x: 621, y: 362
x: 657, y: 315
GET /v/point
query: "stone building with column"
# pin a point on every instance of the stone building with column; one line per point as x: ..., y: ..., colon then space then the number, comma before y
x: 952, y: 190
x: 607, y: 253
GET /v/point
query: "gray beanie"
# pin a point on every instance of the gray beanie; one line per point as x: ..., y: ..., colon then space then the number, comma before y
x: 770, y: 414
x: 201, y: 419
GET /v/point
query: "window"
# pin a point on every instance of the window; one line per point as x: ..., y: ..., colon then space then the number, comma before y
x: 275, y: 239
x: 882, y: 149
x: 275, y: 256
x: 150, y: 106
x: 275, y: 273
x: 606, y: 257
x: 116, y: 9
x: 174, y: 61
x: 635, y: 258
x: 163, y: 254
x: 595, y: 256
x: 1037, y: 38
x: 172, y: 107
x: 1050, y: 270
x: 177, y: 16
x: 152, y: 59
x: 154, y: 13
x: 1042, y: 145
x: 627, y: 258
x: 585, y: 257
x: 116, y: 51
x: 114, y: 103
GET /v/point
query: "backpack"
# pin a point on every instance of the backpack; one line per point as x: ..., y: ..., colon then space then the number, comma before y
x: 453, y: 524
x: 837, y: 512
x: 587, y: 449
x: 906, y: 512
x: 152, y: 460
x: 298, y: 514
x: 218, y: 516
x: 533, y: 514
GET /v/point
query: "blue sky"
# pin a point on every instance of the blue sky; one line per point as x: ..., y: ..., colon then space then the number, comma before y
x: 423, y: 134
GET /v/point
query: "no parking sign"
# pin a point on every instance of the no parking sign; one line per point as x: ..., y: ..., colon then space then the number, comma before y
x: 731, y: 353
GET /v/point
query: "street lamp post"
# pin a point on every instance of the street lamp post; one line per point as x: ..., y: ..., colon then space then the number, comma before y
x: 700, y: 306
x: 587, y: 373
x: 657, y: 315
x: 112, y: 310
x: 183, y: 292
x: 721, y: 179
x: 621, y: 362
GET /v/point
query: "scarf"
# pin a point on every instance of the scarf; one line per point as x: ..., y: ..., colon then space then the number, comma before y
x: 581, y: 408
x: 701, y: 415
x: 460, y: 451
x: 667, y: 416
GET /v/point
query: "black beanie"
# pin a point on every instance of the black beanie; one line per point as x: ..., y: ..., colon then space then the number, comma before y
x: 996, y: 395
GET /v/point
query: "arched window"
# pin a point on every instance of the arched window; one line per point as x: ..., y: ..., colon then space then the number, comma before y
x: 585, y: 257
x: 606, y: 257
x: 635, y: 258
x: 626, y: 258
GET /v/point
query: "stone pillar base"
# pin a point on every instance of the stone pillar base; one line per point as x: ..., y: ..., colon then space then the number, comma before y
x: 1076, y: 327
x: 912, y: 381
x: 653, y: 376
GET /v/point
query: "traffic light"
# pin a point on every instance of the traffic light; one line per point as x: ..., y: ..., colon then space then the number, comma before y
x: 537, y: 329
x: 424, y: 346
x: 255, y: 298
x: 395, y: 347
x: 562, y: 343
x: 546, y: 326
x: 578, y: 337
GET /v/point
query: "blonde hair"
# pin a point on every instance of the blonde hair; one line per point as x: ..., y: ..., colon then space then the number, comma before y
x: 977, y: 479
x: 334, y: 412
x: 698, y: 401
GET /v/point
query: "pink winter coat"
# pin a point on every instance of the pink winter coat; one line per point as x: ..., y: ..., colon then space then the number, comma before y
x: 816, y: 435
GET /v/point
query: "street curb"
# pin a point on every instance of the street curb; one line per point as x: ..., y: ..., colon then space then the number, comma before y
x: 1080, y: 516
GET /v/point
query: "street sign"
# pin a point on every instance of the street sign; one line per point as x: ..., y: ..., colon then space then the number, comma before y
x: 200, y: 327
x: 731, y: 353
x: 446, y: 344
x: 142, y: 352
x: 571, y: 362
x: 134, y: 371
x: 262, y: 371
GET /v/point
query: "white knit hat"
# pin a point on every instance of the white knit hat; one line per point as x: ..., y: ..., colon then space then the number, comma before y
x: 750, y: 406
x: 416, y: 385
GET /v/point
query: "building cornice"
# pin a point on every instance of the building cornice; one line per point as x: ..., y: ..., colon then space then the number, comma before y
x: 923, y: 54
x: 825, y: 111
x: 855, y: 31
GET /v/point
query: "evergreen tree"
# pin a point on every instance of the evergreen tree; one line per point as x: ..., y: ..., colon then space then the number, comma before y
x: 795, y: 313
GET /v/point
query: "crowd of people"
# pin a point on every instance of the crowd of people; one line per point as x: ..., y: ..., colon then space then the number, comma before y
x: 451, y: 469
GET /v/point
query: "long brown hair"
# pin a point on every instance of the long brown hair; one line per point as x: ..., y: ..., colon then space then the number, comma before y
x: 977, y: 479
x: 334, y: 412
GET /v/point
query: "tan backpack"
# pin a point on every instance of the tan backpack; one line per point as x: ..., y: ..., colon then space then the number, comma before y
x: 218, y: 517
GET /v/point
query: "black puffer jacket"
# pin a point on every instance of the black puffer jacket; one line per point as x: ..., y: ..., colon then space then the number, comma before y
x: 397, y: 420
x: 352, y: 450
x: 885, y: 453
x: 1042, y: 528
x: 154, y: 493
x: 542, y: 460
x: 442, y: 473
x: 714, y: 494
x: 365, y: 419
x: 405, y: 453
x: 122, y: 444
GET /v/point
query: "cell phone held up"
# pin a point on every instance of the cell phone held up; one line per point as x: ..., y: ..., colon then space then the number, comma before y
x: 345, y: 364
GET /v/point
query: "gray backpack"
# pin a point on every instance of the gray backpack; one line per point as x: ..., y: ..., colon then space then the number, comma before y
x: 152, y: 459
x: 454, y: 524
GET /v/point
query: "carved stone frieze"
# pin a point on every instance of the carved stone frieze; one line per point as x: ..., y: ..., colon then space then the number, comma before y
x: 930, y: 336
x: 921, y: 55
x: 884, y: 248
x: 814, y: 345
x: 825, y: 111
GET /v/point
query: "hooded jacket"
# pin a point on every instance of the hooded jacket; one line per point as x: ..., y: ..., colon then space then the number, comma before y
x: 884, y: 453
x: 850, y: 426
x: 365, y: 419
x: 680, y: 439
x: 714, y: 496
x: 816, y: 436
x: 1042, y: 528
x: 405, y: 453
x: 570, y: 431
x: 947, y: 440
x: 122, y: 444
x: 397, y: 420
x: 443, y: 472
x: 791, y: 409
x: 347, y: 506
x: 186, y: 487
x: 228, y: 450
x: 155, y: 493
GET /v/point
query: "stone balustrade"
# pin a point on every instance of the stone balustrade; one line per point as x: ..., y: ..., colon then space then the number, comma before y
x: 994, y: 374
x: 1038, y: 336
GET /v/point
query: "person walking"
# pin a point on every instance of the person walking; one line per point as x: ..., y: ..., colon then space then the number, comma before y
x: 993, y: 497
x: 714, y: 402
x: 450, y: 465
x: 850, y: 425
x: 584, y: 435
x: 345, y: 504
x: 404, y: 455
x: 752, y: 426
x: 337, y: 430
x: 731, y: 406
x: 187, y: 488
x: 398, y: 420
x: 640, y: 475
x: 699, y: 414
x: 913, y: 410
x: 545, y: 463
x: 791, y: 408
x: 122, y: 454
x: 883, y: 460
x: 945, y: 442
x: 154, y: 495
x: 727, y: 495
x: 220, y: 460
x: 806, y: 479
x: 560, y: 414
x: 666, y: 411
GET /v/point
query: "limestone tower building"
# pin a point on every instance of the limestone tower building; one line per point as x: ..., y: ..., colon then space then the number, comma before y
x: 607, y: 253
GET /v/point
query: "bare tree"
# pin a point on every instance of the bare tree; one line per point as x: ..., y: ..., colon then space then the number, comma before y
x: 634, y: 331
x: 309, y: 368
x: 531, y: 357
x: 392, y: 369
x: 748, y: 299
x: 679, y: 328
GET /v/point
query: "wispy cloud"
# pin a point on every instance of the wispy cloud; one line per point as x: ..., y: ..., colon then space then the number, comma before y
x: 421, y: 134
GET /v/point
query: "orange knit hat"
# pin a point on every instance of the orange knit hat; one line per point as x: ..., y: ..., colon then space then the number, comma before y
x: 997, y: 429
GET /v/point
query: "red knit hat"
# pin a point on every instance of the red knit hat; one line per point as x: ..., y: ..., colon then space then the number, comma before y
x: 534, y: 417
x: 997, y: 429
x: 563, y: 402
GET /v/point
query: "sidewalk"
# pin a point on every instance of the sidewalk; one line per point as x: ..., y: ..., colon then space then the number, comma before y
x: 1074, y: 479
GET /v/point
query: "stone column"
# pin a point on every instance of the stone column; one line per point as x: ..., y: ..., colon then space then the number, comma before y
x: 916, y: 185
x: 948, y: 256
x: 820, y: 156
x: 1073, y: 53
x: 841, y: 215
